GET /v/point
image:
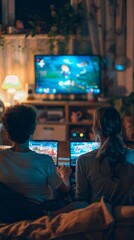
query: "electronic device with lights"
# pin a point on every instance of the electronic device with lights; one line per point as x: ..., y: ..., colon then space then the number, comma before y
x: 78, y: 148
x: 79, y: 133
x: 67, y: 74
x: 45, y: 147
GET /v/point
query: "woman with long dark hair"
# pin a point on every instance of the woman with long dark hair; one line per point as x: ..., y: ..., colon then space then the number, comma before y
x: 108, y: 171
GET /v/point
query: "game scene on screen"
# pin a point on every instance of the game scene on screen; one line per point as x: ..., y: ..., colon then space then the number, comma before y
x: 44, y: 147
x: 79, y: 148
x: 67, y: 74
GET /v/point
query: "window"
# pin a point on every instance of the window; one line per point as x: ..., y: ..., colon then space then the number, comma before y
x: 11, y: 10
x: 37, y: 8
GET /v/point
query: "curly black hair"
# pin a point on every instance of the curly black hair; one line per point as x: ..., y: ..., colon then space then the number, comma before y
x: 20, y: 121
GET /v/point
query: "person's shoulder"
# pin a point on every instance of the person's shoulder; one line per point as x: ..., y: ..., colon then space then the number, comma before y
x: 42, y: 156
x: 3, y: 149
x: 130, y: 155
x: 42, y: 160
x: 87, y: 156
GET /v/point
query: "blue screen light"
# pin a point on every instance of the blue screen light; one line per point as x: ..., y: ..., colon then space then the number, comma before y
x: 67, y: 74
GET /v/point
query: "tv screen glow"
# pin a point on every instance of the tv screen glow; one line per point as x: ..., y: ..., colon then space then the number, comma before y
x: 78, y: 148
x: 67, y: 74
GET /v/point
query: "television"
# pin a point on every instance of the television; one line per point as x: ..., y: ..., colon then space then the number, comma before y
x: 67, y: 74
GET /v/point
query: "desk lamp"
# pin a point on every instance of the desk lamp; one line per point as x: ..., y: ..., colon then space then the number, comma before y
x: 11, y: 83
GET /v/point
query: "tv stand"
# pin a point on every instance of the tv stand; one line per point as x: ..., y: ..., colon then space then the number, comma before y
x: 60, y: 120
x: 65, y: 97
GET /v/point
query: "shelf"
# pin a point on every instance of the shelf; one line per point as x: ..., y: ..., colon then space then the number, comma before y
x: 63, y: 103
x: 81, y: 123
x: 45, y: 103
x: 53, y: 123
x: 84, y: 103
x: 62, y: 129
x: 67, y: 123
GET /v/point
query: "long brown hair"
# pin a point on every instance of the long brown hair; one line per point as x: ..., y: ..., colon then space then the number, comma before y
x: 107, y: 123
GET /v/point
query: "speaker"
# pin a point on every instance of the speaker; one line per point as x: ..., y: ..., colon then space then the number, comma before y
x: 30, y: 91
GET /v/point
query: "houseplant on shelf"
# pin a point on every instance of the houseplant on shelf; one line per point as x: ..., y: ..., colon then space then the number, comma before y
x: 63, y: 22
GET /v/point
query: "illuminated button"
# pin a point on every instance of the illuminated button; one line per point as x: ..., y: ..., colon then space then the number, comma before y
x: 81, y: 134
x: 74, y: 134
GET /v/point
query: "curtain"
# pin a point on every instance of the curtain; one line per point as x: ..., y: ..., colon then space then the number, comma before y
x: 105, y: 27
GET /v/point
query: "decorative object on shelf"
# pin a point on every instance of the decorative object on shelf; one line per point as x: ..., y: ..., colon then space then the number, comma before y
x: 76, y: 116
x: 42, y: 117
x: 11, y: 83
x: 11, y: 29
x: 19, y: 25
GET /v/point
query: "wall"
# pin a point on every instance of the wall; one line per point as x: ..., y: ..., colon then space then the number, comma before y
x: 17, y: 57
x: 17, y: 52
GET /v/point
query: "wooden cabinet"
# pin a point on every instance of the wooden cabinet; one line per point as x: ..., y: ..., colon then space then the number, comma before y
x: 64, y: 120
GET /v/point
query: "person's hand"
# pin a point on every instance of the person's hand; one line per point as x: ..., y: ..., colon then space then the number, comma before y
x: 64, y: 171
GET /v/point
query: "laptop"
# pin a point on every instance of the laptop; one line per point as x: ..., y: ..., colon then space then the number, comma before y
x: 78, y: 148
x: 48, y: 147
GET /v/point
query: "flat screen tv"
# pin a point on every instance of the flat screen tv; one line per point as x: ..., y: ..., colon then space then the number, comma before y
x: 67, y: 74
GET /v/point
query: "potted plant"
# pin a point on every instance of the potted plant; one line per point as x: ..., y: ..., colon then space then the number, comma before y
x: 64, y: 21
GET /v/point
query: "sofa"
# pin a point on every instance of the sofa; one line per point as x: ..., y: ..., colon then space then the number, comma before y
x: 98, y: 221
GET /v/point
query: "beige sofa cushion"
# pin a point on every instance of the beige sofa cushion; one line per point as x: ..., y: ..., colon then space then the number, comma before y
x: 98, y: 221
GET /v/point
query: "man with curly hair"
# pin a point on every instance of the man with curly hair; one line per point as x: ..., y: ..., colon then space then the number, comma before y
x: 25, y: 171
